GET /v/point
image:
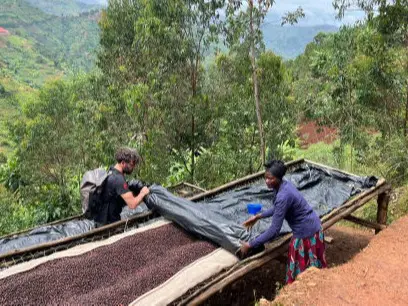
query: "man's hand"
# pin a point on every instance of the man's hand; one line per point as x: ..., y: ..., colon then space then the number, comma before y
x: 244, y: 248
x: 251, y: 221
x: 133, y: 201
x: 145, y: 191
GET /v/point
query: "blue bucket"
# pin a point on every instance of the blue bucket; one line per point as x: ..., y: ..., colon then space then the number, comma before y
x: 254, y: 208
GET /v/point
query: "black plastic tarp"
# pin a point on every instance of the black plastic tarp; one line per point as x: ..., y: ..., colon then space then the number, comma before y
x: 59, y: 231
x: 220, y: 219
x: 45, y: 234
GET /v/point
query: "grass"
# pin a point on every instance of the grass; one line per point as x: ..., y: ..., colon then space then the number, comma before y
x: 398, y: 207
x: 319, y: 152
x: 323, y: 153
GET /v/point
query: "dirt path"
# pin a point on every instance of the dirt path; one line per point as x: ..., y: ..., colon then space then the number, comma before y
x: 263, y: 281
x: 376, y: 276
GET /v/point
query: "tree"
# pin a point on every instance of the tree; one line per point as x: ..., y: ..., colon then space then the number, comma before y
x: 229, y: 81
x: 62, y: 132
x: 117, y: 57
x: 392, y: 22
x: 355, y: 82
x: 245, y: 32
x: 160, y: 66
x: 201, y: 27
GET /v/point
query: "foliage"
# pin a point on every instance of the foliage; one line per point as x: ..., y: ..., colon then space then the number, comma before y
x: 355, y: 81
x: 14, y: 216
x: 244, y: 35
x: 189, y: 112
x: 9, y: 110
x: 159, y: 68
x: 60, y: 135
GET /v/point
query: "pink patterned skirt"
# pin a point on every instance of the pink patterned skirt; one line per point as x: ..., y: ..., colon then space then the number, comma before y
x: 305, y: 253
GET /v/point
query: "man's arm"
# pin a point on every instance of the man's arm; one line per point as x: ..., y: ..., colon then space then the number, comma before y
x: 133, y: 201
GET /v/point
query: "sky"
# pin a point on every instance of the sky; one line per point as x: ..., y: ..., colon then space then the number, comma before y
x: 318, y: 12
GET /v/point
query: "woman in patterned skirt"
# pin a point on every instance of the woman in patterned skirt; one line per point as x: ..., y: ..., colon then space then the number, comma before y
x: 306, y: 249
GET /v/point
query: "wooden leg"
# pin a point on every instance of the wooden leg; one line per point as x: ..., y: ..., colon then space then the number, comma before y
x: 382, y: 209
x: 365, y: 223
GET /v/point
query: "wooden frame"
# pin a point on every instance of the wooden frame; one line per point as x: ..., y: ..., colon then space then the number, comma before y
x: 276, y: 248
x: 272, y: 251
x: 185, y: 189
x: 19, y: 255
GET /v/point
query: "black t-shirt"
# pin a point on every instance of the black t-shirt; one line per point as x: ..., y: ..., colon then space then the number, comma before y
x: 113, y: 203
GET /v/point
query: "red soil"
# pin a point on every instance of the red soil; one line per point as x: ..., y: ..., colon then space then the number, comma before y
x: 310, y: 133
x: 3, y: 31
x: 376, y: 276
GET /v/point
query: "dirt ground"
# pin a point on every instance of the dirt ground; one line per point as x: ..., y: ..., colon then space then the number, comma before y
x: 376, y: 276
x: 310, y: 133
x: 265, y: 281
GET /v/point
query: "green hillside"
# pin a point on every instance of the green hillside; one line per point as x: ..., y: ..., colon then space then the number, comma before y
x: 63, y: 42
x: 14, y: 13
x: 41, y: 47
x: 63, y: 7
x: 11, y: 93
x: 21, y: 61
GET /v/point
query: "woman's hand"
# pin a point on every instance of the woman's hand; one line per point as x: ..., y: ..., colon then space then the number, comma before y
x: 251, y: 221
x: 244, y: 248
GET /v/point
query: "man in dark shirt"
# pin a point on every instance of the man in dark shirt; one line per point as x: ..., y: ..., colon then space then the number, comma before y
x: 116, y: 193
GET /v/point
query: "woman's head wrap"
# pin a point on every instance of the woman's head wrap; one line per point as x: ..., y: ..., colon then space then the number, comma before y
x: 277, y: 168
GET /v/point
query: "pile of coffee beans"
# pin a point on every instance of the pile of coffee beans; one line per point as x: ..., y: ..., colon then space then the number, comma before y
x: 110, y: 275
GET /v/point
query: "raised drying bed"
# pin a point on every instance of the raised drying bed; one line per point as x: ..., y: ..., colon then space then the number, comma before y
x: 39, y: 250
x: 216, y: 283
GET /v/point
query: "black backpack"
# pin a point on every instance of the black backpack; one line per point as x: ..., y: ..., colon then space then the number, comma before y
x: 92, y: 187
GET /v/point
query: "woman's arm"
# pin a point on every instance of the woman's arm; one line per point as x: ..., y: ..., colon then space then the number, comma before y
x: 281, y: 207
x: 268, y: 213
x: 251, y: 221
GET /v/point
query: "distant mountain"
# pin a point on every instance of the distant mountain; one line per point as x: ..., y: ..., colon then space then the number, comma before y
x: 316, y: 13
x: 94, y: 2
x: 65, y: 7
x: 290, y: 41
x: 40, y: 45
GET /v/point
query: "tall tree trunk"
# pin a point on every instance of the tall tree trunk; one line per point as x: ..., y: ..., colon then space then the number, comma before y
x: 192, y: 147
x: 406, y: 71
x: 194, y: 73
x: 255, y: 81
x: 406, y: 114
x: 352, y: 128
